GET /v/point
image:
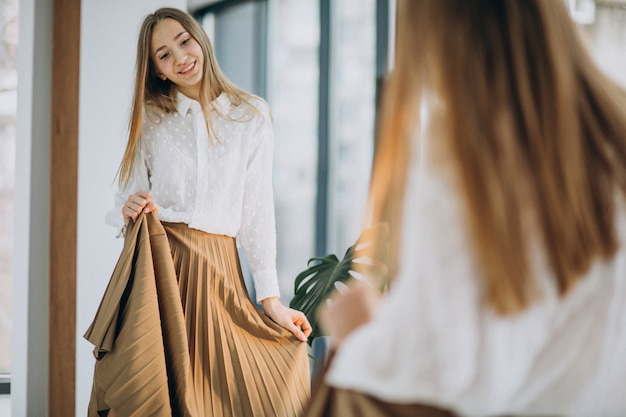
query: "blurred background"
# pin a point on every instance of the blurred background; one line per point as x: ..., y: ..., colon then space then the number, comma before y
x: 318, y: 63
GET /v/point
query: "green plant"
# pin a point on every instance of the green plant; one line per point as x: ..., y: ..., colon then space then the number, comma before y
x: 315, y: 285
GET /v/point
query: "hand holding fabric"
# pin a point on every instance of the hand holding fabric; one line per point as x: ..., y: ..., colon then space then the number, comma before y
x: 347, y: 310
x: 293, y: 320
x: 137, y: 202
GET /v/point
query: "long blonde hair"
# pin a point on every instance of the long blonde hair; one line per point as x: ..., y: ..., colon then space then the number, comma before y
x: 529, y: 125
x: 152, y: 90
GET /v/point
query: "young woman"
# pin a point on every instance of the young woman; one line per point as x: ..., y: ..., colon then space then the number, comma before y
x: 199, y: 154
x: 502, y: 169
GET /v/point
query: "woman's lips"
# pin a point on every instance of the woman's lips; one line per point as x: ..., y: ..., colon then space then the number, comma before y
x: 188, y: 68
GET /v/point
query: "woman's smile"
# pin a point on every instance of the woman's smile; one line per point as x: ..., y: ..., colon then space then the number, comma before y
x: 188, y: 68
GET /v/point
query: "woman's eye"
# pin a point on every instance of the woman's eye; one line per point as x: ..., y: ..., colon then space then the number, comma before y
x: 164, y: 56
x: 184, y: 42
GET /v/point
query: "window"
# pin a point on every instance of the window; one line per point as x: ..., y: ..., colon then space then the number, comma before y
x: 352, y: 99
x: 8, y: 102
x: 317, y: 64
x: 605, y: 30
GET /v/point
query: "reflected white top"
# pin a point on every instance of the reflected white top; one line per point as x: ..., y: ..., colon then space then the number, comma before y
x: 220, y: 187
x: 433, y: 342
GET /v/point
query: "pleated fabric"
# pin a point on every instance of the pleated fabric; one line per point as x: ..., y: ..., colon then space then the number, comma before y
x: 329, y: 401
x: 333, y: 402
x: 142, y: 362
x: 242, y: 363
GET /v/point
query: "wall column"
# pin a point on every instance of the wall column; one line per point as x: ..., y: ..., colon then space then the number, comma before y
x: 63, y: 206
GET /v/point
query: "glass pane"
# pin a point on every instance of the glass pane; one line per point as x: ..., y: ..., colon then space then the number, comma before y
x: 236, y: 31
x: 352, y: 112
x: 293, y: 80
x: 8, y: 103
x: 605, y: 29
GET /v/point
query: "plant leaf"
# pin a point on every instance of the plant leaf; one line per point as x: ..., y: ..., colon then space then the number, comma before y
x: 314, y: 285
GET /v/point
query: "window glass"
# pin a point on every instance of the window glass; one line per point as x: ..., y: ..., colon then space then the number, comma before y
x: 604, y: 27
x: 352, y: 112
x: 293, y: 89
x: 8, y: 103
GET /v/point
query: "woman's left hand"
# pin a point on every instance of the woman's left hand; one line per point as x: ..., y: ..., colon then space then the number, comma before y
x: 293, y: 320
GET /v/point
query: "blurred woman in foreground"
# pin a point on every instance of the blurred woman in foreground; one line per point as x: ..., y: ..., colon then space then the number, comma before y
x: 501, y: 169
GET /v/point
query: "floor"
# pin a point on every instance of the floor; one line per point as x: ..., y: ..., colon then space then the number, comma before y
x: 5, y: 405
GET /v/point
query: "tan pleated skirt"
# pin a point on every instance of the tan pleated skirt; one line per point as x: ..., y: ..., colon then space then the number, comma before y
x: 243, y: 364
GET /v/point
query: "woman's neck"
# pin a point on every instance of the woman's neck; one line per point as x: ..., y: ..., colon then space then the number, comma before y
x: 191, y: 92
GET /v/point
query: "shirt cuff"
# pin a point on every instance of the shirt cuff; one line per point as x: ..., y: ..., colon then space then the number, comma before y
x: 114, y: 218
x: 266, y: 284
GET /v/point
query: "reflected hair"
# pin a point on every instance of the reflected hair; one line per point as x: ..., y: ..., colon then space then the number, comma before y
x: 152, y: 90
x: 533, y: 132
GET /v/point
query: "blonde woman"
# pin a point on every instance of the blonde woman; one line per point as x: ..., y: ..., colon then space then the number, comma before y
x: 502, y: 169
x: 199, y: 154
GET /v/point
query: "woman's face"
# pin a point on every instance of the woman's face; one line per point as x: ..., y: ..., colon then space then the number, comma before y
x: 177, y: 56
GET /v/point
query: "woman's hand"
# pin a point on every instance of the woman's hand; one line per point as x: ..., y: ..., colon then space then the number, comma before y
x: 137, y: 202
x: 348, y: 310
x: 293, y: 320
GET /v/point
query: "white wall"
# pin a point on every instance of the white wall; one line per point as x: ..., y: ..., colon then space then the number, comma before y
x: 108, y: 46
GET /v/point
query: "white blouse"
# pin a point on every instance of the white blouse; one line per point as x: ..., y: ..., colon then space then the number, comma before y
x: 222, y: 187
x: 433, y: 342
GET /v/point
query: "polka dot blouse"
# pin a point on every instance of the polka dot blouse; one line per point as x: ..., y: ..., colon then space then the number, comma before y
x: 220, y: 186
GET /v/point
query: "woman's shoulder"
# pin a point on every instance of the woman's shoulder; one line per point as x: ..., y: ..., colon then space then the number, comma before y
x: 249, y: 106
x: 258, y: 103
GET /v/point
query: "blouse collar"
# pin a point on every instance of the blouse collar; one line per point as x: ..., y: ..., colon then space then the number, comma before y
x: 184, y: 103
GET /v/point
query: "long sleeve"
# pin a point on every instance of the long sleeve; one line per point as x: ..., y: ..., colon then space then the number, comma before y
x: 139, y: 180
x: 258, y: 230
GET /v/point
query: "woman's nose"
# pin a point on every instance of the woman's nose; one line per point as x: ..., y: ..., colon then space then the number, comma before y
x: 180, y: 57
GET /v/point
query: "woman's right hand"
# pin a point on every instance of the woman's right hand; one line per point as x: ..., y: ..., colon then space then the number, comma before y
x: 137, y: 202
x: 348, y: 310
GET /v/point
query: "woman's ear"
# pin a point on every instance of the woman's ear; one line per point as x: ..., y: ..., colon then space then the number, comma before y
x: 162, y: 76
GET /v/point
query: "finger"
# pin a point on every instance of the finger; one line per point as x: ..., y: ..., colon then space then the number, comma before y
x: 297, y: 332
x: 306, y: 327
x: 150, y: 207
x: 300, y: 320
x: 136, y: 202
x: 133, y: 207
x: 293, y: 328
x: 147, y: 195
x: 140, y: 197
x: 130, y: 213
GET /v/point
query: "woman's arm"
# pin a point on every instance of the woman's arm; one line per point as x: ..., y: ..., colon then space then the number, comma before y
x: 257, y: 234
x: 258, y: 230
